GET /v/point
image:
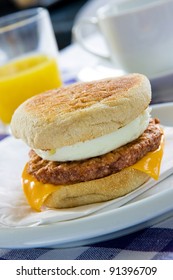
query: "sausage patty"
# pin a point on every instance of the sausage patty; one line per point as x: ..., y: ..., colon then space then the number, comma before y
x: 59, y: 173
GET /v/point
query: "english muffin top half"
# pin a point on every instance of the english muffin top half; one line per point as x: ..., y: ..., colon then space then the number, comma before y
x: 80, y: 112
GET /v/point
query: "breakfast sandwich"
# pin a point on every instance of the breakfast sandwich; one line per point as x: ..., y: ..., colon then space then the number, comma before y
x: 90, y: 142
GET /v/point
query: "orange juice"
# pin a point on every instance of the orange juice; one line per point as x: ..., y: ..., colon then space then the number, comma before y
x: 23, y: 78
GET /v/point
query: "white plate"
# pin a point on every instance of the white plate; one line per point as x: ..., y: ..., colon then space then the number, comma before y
x: 148, y: 208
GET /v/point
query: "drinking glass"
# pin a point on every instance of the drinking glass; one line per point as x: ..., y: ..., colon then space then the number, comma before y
x: 28, y: 59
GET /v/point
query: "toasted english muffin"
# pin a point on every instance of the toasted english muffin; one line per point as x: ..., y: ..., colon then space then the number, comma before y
x: 80, y: 112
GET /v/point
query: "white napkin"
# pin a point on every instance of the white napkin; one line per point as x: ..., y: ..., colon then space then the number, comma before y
x: 14, y: 209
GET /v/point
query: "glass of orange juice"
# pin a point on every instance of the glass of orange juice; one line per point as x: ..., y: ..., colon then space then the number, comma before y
x: 28, y: 59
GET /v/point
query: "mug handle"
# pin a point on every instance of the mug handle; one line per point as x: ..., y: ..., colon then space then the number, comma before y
x: 77, y: 32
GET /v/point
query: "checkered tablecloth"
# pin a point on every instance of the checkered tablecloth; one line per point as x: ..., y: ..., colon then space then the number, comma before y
x: 154, y: 242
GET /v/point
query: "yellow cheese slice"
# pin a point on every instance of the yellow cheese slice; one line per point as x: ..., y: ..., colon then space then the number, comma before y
x: 151, y: 163
x: 36, y: 192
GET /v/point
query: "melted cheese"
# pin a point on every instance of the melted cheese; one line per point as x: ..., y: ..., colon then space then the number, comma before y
x: 37, y: 192
x: 151, y: 163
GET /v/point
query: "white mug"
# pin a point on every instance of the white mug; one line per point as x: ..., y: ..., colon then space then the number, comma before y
x: 138, y: 34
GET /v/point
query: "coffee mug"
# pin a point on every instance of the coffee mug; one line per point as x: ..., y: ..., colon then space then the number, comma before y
x: 138, y: 34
